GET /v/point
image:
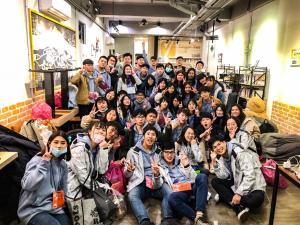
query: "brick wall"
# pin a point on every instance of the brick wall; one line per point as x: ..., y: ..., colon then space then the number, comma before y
x: 14, y: 115
x: 286, y: 117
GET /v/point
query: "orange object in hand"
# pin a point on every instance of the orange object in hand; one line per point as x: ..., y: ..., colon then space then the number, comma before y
x: 58, y: 199
x: 182, y: 187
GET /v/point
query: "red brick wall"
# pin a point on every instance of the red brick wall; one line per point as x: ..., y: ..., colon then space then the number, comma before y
x: 14, y: 115
x: 286, y: 117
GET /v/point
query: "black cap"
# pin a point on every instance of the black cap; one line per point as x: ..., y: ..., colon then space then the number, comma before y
x: 88, y: 61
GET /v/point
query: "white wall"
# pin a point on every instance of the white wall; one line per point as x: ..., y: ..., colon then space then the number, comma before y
x: 15, y: 52
x: 275, y: 32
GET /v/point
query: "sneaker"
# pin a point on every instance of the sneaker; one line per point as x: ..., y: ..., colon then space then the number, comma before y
x: 217, y: 198
x: 202, y: 220
x: 243, y: 214
x: 169, y: 221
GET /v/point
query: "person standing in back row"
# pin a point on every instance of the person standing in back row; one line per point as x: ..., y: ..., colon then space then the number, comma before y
x: 87, y: 84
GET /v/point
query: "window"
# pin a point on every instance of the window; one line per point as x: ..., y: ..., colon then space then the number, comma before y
x: 81, y: 32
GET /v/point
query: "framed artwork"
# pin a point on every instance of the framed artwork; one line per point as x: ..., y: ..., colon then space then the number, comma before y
x: 53, y: 46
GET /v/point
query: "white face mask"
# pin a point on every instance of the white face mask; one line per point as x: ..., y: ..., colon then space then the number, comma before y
x: 98, y: 138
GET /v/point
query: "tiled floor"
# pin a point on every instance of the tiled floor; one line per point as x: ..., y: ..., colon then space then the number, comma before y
x: 287, y: 210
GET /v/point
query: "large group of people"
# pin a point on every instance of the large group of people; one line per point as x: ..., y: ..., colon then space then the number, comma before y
x: 167, y: 126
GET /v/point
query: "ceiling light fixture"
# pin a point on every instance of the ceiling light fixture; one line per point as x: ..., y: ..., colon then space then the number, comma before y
x: 143, y: 22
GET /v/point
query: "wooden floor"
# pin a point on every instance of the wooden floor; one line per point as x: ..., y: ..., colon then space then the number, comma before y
x: 287, y: 210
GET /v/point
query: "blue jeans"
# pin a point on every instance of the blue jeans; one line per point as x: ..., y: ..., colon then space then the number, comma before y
x: 138, y: 194
x: 181, y: 201
x: 50, y: 219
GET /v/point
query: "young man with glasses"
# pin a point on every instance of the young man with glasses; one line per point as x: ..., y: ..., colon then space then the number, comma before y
x: 186, y: 184
x: 239, y: 180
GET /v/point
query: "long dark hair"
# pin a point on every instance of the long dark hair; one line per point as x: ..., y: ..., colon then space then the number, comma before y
x: 220, y: 122
x: 191, y: 94
x: 238, y: 123
x: 58, y: 133
x: 181, y: 140
x: 109, y: 110
x: 150, y: 76
x: 242, y: 115
x: 193, y: 81
x: 123, y: 108
x: 127, y: 79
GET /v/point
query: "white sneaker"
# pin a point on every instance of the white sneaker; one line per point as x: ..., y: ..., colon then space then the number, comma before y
x: 243, y: 215
x: 217, y: 198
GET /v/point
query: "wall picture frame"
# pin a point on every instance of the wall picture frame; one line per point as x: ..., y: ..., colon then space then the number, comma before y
x: 53, y: 46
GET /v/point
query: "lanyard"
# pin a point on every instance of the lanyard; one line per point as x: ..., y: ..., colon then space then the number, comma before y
x: 52, y: 177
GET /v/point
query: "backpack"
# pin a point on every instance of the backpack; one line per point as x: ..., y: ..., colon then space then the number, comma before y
x: 72, y: 134
x: 267, y: 127
x: 268, y: 170
x: 116, y: 176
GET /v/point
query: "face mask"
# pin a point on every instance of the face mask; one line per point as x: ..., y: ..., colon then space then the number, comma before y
x: 220, y: 115
x: 168, y: 69
x: 58, y: 153
x: 98, y: 138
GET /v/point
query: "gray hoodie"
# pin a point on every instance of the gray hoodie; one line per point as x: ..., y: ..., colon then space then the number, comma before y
x: 82, y: 163
x: 136, y: 154
x: 184, y: 174
x: 40, y: 180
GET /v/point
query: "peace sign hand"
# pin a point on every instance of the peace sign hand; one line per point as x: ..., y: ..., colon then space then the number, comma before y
x: 155, y: 168
x: 130, y: 165
x: 47, y: 155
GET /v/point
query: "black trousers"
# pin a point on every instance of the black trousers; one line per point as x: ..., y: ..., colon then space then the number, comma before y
x: 84, y: 109
x: 252, y: 200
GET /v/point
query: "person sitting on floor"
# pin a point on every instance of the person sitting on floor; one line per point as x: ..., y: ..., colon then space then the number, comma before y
x: 144, y: 179
x: 239, y: 182
x: 180, y: 176
x: 46, y: 175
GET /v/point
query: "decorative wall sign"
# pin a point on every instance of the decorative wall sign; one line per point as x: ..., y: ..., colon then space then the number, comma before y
x: 295, y: 57
x: 53, y: 45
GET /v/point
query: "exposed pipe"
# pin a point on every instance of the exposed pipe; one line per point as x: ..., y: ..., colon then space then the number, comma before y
x: 202, y: 12
x: 178, y: 27
x: 194, y: 18
x: 175, y: 5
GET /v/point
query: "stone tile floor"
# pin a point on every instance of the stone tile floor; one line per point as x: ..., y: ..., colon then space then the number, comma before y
x: 287, y: 210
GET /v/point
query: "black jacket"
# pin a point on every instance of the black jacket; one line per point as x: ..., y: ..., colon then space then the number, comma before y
x: 11, y: 175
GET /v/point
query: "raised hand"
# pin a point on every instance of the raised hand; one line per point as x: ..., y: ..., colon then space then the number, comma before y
x: 93, y: 112
x: 47, y: 155
x: 155, y: 168
x: 184, y: 160
x: 130, y: 165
